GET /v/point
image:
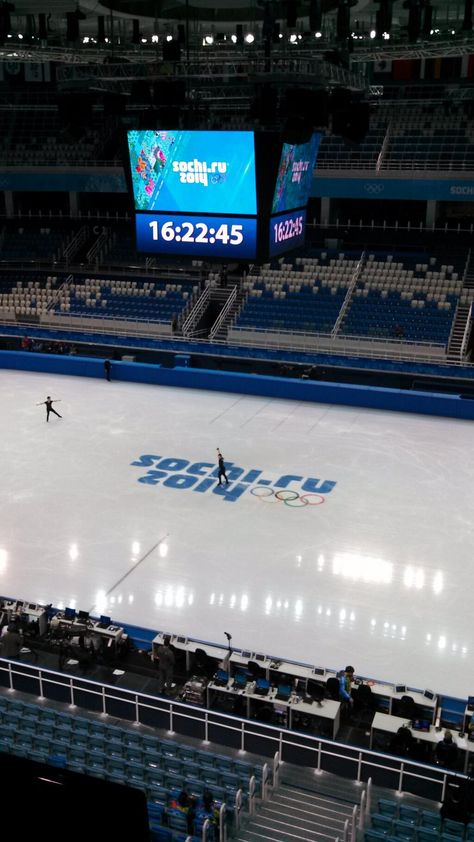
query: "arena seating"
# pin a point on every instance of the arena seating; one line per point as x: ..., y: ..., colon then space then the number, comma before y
x: 27, y: 294
x: 162, y: 768
x: 151, y: 301
x: 32, y: 242
x: 430, y: 137
x: 399, y: 297
x: 303, y: 295
x: 395, y: 820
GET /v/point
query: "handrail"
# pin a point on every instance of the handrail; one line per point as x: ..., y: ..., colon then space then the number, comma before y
x: 466, y: 334
x: 348, y: 297
x: 222, y: 824
x: 205, y: 828
x: 264, y: 781
x: 353, y: 824
x: 196, y: 312
x: 345, y: 832
x: 383, y: 148
x: 363, y: 799
x: 252, y: 796
x: 223, y: 314
x: 466, y: 267
x: 238, y: 808
x: 74, y: 244
x: 91, y: 255
x: 276, y: 769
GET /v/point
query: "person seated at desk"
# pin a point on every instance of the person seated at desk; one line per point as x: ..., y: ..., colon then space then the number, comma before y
x: 11, y: 642
x: 402, y: 743
x: 446, y: 751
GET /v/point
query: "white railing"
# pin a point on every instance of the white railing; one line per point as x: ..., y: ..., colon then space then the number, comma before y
x: 352, y: 284
x: 466, y: 334
x: 467, y: 265
x: 223, y: 314
x: 196, y: 312
x: 357, y: 761
x: 75, y: 243
x: 383, y: 148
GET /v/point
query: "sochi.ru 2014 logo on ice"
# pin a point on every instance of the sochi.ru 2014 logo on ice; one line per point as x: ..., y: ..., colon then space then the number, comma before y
x: 292, y: 490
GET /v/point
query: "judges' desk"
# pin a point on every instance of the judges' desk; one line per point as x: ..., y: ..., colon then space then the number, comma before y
x: 294, y: 706
x: 390, y: 725
x: 111, y: 633
x: 30, y: 610
x: 388, y: 694
x: 189, y: 647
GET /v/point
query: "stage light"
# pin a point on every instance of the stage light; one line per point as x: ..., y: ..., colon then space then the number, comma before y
x: 250, y: 38
x: 20, y: 36
x: 169, y: 37
x: 233, y: 38
x: 386, y: 36
x: 85, y: 40
x: 293, y: 38
x: 154, y: 39
x: 373, y: 33
x: 144, y: 40
x: 318, y: 34
x: 209, y: 39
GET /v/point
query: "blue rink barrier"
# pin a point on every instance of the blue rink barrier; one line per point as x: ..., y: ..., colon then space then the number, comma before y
x: 340, y: 394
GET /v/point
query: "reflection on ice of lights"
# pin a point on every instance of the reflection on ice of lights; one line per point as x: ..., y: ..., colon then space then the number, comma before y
x: 352, y: 616
x: 268, y: 605
x: 72, y: 603
x: 172, y: 597
x: 373, y: 622
x: 438, y: 582
x: 414, y: 577
x: 354, y: 566
x: 135, y: 548
x: 3, y: 560
x: 299, y: 559
x: 342, y: 614
x: 73, y: 552
x: 298, y: 608
x: 286, y: 604
x: 232, y: 600
x: 212, y: 599
x: 442, y: 643
x: 112, y: 600
x: 163, y: 549
x: 328, y: 612
x: 244, y: 602
x: 320, y: 562
x: 60, y: 605
x: 320, y: 609
x: 130, y: 598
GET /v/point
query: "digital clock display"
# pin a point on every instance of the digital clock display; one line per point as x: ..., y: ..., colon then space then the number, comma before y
x: 197, y: 236
x: 287, y: 231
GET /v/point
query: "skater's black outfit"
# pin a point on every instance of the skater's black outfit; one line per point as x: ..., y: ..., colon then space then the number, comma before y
x: 107, y: 369
x: 49, y: 408
x: 222, y: 472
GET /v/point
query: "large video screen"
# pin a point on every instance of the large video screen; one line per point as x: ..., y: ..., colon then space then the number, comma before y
x: 193, y: 172
x: 295, y: 175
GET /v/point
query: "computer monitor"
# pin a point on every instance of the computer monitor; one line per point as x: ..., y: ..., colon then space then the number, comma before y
x: 259, y: 657
x: 83, y: 615
x: 246, y: 655
x: 470, y: 703
x: 182, y: 640
x: 420, y: 724
x: 70, y: 613
x: 400, y: 688
x: 104, y: 621
x: 428, y: 694
x: 319, y: 670
x: 32, y: 606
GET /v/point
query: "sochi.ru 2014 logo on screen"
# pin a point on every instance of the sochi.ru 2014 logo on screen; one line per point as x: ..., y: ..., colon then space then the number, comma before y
x: 292, y: 490
x: 198, y: 172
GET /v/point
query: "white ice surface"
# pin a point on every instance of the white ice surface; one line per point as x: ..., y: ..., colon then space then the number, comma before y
x: 381, y: 575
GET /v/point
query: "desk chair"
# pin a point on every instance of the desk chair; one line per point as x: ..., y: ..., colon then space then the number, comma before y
x: 332, y: 687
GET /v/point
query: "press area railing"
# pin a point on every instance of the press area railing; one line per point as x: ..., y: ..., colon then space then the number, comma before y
x: 277, y: 743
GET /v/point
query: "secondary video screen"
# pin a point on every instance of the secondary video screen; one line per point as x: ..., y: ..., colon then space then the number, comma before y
x: 195, y: 172
x: 295, y: 174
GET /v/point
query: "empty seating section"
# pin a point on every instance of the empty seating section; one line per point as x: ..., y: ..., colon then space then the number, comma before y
x: 29, y: 295
x: 32, y: 243
x: 399, y: 297
x: 335, y: 152
x: 34, y: 134
x: 305, y: 295
x: 431, y: 136
x: 408, y: 135
x: 151, y: 301
x: 162, y: 768
x: 397, y: 821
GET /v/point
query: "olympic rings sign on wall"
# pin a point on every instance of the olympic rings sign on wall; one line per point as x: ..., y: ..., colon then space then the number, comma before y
x: 287, y: 496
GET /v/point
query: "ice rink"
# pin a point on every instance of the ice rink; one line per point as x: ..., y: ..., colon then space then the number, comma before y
x: 345, y: 535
